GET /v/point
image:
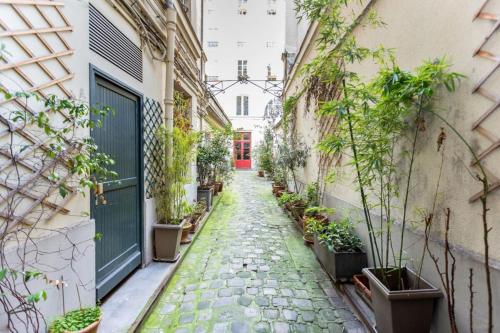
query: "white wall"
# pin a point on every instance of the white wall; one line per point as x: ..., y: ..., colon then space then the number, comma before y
x: 224, y: 25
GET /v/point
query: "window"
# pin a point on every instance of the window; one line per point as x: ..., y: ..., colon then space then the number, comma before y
x: 271, y: 2
x: 212, y: 78
x: 242, y: 105
x: 213, y: 29
x: 241, y: 44
x: 270, y: 44
x: 242, y: 11
x: 242, y: 2
x: 271, y: 12
x: 213, y: 44
x: 242, y: 68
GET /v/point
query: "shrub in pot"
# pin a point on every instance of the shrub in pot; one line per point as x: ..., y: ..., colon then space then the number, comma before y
x: 338, y: 249
x: 319, y: 213
x: 85, y: 320
x: 204, y: 163
x: 170, y: 192
x: 287, y: 199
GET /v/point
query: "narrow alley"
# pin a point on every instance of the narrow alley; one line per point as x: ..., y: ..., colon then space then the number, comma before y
x: 249, y: 271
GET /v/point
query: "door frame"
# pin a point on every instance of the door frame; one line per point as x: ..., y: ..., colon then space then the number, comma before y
x: 95, y: 72
x: 242, y: 142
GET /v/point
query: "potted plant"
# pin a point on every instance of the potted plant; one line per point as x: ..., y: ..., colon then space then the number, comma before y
x: 307, y: 228
x: 319, y: 213
x: 198, y: 210
x: 186, y: 228
x: 287, y: 199
x: 338, y: 249
x: 170, y: 193
x: 204, y: 163
x: 85, y: 320
x: 220, y: 143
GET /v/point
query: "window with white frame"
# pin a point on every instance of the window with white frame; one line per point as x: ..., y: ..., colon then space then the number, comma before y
x: 213, y: 43
x: 242, y: 68
x: 242, y: 105
x: 271, y: 11
x: 212, y: 78
x: 270, y: 44
x: 240, y: 44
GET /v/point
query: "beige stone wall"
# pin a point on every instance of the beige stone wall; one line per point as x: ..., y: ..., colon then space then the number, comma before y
x: 418, y: 31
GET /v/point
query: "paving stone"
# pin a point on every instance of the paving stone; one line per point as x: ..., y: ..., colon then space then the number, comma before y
x: 262, y: 327
x: 186, y: 318
x: 303, y: 304
x: 271, y: 313
x: 223, y: 301
x: 262, y: 301
x: 286, y: 292
x: 167, y: 308
x: 252, y: 291
x: 238, y: 291
x: 269, y: 291
x: 244, y: 300
x: 308, y: 316
x: 289, y: 315
x: 280, y: 327
x: 225, y: 292
x: 236, y: 282
x: 280, y: 301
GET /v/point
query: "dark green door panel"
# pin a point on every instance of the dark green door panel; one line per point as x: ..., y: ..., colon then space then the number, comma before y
x: 118, y: 251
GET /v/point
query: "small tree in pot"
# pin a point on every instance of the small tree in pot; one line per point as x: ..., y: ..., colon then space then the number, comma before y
x: 170, y: 192
x: 204, y: 164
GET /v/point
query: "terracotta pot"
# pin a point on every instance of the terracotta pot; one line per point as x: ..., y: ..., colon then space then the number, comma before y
x: 217, y: 187
x: 260, y: 173
x: 186, y: 228
x: 308, y: 238
x: 92, y: 328
x: 363, y: 288
x: 195, y: 219
x: 278, y: 187
x: 339, y: 265
x: 167, y: 239
x: 407, y: 310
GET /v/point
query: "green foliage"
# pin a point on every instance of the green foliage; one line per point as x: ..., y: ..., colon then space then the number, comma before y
x: 292, y: 155
x: 75, y: 320
x: 338, y: 236
x: 312, y: 194
x: 318, y: 210
x: 170, y: 192
x: 213, y: 158
x: 291, y: 198
x: 265, y: 159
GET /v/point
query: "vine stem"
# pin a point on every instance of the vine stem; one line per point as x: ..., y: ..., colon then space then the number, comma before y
x: 483, y: 178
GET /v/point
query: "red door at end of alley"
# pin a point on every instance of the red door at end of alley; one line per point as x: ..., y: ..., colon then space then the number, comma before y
x: 242, y: 149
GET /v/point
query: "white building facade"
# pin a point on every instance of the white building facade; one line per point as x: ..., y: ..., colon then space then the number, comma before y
x: 244, y: 39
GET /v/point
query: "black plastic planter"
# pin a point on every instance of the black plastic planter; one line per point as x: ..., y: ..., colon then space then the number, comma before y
x: 339, y: 265
x: 206, y: 195
x: 408, y: 310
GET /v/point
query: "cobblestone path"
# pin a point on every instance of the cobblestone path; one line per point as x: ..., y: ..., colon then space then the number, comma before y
x: 249, y: 271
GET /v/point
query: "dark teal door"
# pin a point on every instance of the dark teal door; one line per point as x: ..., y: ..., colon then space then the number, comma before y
x: 118, y: 220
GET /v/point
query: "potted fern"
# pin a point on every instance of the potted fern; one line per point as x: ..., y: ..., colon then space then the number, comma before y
x: 170, y: 193
x: 338, y: 248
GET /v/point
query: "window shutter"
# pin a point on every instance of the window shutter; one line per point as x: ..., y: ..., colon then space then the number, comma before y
x: 245, y: 106
x: 238, y: 105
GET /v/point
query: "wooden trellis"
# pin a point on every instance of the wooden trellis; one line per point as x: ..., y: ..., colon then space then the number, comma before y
x: 41, y: 21
x: 479, y: 88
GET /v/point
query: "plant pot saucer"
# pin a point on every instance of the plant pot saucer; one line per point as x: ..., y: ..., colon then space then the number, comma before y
x: 168, y: 260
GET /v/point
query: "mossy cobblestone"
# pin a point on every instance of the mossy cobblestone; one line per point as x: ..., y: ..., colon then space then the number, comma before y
x: 249, y: 271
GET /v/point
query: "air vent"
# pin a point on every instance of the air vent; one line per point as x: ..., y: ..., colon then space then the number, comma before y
x: 110, y: 43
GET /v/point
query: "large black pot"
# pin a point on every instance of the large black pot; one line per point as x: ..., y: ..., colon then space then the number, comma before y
x: 408, y: 310
x: 339, y: 265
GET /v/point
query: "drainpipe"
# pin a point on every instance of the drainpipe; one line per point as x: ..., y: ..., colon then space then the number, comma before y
x: 169, y: 71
